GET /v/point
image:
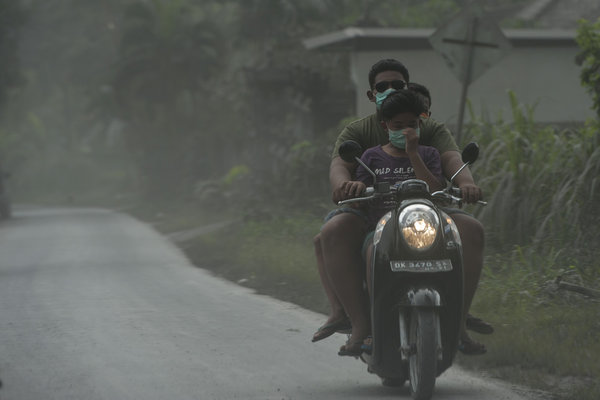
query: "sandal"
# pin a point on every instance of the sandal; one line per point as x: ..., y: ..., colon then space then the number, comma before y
x: 478, y: 325
x: 471, y: 348
x: 367, y: 345
x: 351, y: 349
x: 341, y: 326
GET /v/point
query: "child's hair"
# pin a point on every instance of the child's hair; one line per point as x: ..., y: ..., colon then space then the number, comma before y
x: 402, y: 101
x: 388, y: 64
x: 420, y: 89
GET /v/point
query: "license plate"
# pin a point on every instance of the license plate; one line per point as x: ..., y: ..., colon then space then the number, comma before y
x: 421, y: 265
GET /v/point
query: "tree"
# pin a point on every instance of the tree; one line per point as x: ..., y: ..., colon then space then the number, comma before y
x: 168, y: 54
x: 588, y: 39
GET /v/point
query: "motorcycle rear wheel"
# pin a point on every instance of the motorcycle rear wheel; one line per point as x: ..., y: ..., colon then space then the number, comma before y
x: 423, y: 355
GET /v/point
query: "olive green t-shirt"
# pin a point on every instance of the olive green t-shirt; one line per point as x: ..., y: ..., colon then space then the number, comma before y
x: 368, y: 132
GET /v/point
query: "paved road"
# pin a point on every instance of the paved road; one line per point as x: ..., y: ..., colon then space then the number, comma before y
x: 96, y: 305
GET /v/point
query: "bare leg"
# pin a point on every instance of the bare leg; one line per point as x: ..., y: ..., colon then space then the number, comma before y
x: 336, y: 312
x: 341, y: 241
x: 472, y: 237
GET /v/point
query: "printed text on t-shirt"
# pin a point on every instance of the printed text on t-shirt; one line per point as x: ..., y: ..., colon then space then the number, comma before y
x: 384, y: 171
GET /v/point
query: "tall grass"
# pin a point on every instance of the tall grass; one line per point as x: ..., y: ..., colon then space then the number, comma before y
x: 542, y: 221
x: 542, y: 183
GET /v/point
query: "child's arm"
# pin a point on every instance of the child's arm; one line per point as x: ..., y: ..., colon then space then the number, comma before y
x: 421, y: 170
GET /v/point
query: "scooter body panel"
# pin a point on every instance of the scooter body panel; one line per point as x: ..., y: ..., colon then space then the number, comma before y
x: 396, y: 291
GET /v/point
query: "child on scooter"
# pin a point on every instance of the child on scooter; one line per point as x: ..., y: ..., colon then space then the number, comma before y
x: 402, y: 157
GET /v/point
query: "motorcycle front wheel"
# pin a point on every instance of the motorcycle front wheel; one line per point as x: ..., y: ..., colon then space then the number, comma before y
x: 423, y: 353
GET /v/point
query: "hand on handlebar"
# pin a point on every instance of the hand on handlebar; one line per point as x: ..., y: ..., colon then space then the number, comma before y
x: 471, y: 193
x: 348, y: 190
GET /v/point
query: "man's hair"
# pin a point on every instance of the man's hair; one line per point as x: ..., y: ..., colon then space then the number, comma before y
x: 401, y: 101
x: 420, y: 89
x: 389, y: 64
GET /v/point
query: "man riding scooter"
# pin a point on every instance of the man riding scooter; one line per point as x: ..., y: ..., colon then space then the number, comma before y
x: 338, y: 245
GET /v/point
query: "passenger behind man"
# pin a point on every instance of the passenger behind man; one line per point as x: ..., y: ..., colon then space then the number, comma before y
x: 424, y: 95
x: 400, y: 159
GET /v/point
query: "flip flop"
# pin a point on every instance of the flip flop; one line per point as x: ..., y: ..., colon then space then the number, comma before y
x: 341, y: 325
x: 471, y: 348
x: 351, y: 349
x: 367, y: 345
x: 478, y: 325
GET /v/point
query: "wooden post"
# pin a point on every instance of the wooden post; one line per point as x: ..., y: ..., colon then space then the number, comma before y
x: 470, y: 41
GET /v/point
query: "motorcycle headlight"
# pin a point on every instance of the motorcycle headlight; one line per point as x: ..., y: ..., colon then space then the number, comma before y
x: 380, y: 226
x: 419, y: 225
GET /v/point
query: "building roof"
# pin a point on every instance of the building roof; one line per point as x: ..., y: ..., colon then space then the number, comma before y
x: 563, y: 14
x: 372, y: 39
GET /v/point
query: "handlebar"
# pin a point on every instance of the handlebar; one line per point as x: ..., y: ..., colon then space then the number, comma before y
x: 449, y: 198
x: 456, y: 192
x: 368, y: 194
x: 451, y: 195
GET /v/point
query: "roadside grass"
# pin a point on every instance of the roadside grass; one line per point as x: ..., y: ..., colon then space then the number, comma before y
x: 274, y: 257
x: 544, y: 337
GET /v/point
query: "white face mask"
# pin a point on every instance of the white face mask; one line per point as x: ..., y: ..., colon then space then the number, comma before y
x: 398, y: 139
x: 380, y: 97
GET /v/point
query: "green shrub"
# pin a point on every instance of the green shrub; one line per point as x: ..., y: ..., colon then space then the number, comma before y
x: 588, y: 39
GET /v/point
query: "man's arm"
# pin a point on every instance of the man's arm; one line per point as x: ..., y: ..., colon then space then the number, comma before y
x: 451, y: 162
x: 340, y: 178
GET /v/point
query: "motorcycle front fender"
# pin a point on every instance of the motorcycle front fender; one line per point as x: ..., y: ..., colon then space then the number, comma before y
x: 424, y: 297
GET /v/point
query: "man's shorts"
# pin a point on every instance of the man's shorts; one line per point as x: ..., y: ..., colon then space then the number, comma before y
x: 342, y: 210
x: 450, y: 211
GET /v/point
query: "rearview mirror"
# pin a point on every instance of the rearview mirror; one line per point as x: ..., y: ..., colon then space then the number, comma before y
x: 470, y: 153
x: 349, y: 150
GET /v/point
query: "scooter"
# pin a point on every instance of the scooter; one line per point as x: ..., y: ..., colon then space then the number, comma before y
x: 416, y: 292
